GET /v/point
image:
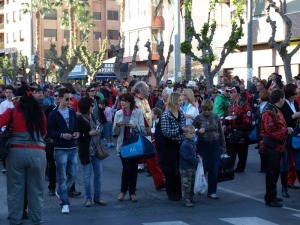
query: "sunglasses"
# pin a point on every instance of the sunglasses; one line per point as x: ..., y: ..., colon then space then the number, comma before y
x: 155, y: 90
x: 214, y: 92
x: 169, y: 83
x: 55, y: 96
x: 68, y: 99
x: 210, y: 109
x: 197, y: 96
x: 159, y: 90
x: 92, y: 90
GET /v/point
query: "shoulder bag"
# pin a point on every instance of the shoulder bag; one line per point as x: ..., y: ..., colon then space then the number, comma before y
x: 101, y: 152
x: 5, y: 136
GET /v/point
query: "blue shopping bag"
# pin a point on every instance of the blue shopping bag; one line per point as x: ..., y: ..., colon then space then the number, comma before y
x: 137, y: 146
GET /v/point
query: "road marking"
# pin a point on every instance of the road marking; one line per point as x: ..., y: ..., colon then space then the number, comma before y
x: 253, y: 198
x: 247, y: 221
x: 168, y: 223
x: 297, y: 215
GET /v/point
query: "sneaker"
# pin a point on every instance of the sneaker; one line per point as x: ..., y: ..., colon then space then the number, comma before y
x: 74, y: 193
x: 187, y: 204
x: 88, y: 203
x: 112, y: 145
x: 99, y: 202
x: 141, y: 168
x: 65, y: 209
x: 52, y: 192
x: 3, y: 171
x: 213, y: 196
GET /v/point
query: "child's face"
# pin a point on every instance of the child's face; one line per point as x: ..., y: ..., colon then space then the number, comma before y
x: 190, y: 134
x: 154, y: 117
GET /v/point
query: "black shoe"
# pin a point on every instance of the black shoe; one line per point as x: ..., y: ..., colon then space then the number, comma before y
x: 161, y: 187
x: 52, y: 192
x: 284, y: 192
x: 278, y: 199
x: 239, y: 170
x: 274, y: 204
x: 292, y: 186
x: 74, y: 193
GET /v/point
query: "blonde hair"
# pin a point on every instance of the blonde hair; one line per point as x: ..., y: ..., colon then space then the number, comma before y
x: 173, y: 100
x: 190, y: 95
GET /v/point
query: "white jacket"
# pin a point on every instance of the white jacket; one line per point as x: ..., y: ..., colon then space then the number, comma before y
x: 192, y: 111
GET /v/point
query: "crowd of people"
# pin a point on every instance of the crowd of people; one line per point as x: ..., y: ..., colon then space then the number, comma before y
x: 54, y: 127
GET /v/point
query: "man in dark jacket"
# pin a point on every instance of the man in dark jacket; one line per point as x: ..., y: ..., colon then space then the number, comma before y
x: 62, y: 129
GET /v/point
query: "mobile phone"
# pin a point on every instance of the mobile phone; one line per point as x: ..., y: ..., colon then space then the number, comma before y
x: 98, y: 127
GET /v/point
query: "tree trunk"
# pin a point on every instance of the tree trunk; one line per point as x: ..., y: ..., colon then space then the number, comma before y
x: 188, y: 69
x: 208, y: 76
x: 287, y: 69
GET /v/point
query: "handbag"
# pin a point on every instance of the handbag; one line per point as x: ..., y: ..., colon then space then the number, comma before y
x: 137, y: 145
x: 226, y: 169
x: 296, y: 140
x: 101, y: 152
x: 5, y: 137
x: 200, y: 185
x: 253, y: 136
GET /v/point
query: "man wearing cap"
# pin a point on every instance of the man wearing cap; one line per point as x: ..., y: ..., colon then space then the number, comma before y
x: 222, y: 101
x: 238, y: 123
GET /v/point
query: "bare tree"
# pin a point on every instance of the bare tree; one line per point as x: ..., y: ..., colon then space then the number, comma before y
x: 65, y: 62
x: 118, y: 51
x: 282, y: 48
x: 205, y: 39
x: 162, y: 62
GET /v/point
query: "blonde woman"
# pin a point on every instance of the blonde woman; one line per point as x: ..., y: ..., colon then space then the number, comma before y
x: 189, y: 107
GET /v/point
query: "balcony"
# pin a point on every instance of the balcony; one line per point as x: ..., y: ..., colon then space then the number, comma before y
x: 157, y: 22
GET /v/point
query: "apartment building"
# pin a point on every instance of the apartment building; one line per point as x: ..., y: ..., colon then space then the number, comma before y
x: 139, y: 23
x: 15, y: 27
x: 265, y: 60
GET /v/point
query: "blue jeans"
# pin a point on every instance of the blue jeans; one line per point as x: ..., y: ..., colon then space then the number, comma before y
x: 108, y: 130
x: 210, y: 152
x: 95, y: 165
x: 66, y: 172
x: 285, y: 161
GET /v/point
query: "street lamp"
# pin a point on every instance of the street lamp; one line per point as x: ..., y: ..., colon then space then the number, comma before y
x: 32, y: 44
x: 249, y: 46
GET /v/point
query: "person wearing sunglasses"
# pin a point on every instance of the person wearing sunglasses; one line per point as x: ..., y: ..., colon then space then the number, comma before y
x: 213, y: 93
x: 62, y: 128
x: 238, y: 124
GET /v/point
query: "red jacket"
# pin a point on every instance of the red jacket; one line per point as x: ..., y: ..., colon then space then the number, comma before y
x: 273, y: 125
x: 242, y: 110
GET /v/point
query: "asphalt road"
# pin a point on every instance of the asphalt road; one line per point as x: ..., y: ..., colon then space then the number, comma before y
x: 241, y: 202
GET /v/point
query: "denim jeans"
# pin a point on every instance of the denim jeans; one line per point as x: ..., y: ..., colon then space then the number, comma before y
x: 210, y: 152
x: 66, y: 172
x: 95, y: 165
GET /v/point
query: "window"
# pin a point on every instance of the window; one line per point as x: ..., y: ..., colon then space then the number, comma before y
x: 96, y: 15
x: 21, y: 15
x: 7, y: 38
x: 292, y: 6
x: 51, y: 16
x: 14, y: 16
x: 7, y: 18
x: 22, y: 38
x: 259, y: 8
x: 50, y: 34
x: 113, y: 34
x: 112, y: 15
x: 96, y: 35
x: 47, y: 54
x: 14, y: 37
x: 66, y: 35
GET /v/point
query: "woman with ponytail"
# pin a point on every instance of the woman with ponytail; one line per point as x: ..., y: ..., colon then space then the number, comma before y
x: 26, y: 159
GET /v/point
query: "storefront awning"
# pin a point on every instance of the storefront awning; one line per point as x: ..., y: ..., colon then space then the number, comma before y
x: 79, y: 72
x: 139, y: 73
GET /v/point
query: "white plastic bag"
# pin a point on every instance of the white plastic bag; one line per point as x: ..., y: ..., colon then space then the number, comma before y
x: 200, y: 181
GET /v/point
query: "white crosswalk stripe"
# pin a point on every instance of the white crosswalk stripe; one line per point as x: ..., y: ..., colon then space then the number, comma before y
x: 297, y: 215
x: 167, y: 223
x: 247, y: 221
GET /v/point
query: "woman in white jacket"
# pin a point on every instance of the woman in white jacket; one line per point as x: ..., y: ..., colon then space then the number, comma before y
x: 189, y: 108
x: 128, y: 120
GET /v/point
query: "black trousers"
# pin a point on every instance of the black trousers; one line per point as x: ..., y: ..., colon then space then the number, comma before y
x: 273, y: 159
x: 51, y: 169
x: 241, y: 150
x: 171, y: 165
x: 129, y: 175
